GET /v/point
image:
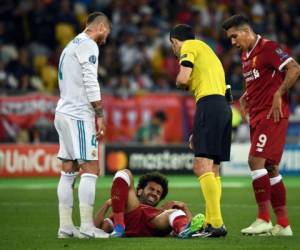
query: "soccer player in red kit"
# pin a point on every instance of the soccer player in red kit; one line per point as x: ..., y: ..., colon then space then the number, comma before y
x: 269, y: 71
x: 135, y: 213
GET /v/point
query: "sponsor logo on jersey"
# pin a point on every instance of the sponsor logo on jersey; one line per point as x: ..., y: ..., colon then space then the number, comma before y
x: 92, y: 59
x: 282, y: 55
x: 76, y: 40
x: 251, y: 75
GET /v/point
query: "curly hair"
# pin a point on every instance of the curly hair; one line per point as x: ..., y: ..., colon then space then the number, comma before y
x: 157, y: 178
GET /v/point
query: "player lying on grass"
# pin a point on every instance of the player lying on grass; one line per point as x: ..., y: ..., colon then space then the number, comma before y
x: 135, y: 213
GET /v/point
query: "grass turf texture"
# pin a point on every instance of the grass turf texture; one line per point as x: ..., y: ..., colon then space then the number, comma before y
x: 29, y: 216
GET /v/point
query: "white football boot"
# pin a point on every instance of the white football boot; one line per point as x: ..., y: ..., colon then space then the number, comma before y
x: 93, y: 232
x: 69, y: 232
x: 258, y: 227
x: 279, y: 230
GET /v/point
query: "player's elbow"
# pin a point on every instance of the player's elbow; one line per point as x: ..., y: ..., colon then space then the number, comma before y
x: 297, y: 69
x: 294, y: 70
x: 181, y: 80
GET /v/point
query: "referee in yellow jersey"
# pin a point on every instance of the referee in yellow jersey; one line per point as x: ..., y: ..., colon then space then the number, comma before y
x: 202, y: 73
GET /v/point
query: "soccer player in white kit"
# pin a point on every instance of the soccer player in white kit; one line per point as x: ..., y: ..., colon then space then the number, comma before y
x: 78, y: 114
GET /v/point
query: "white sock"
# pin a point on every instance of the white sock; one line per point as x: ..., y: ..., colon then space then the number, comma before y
x: 65, y: 198
x: 86, y: 194
x: 176, y: 213
x: 255, y: 174
x: 275, y: 180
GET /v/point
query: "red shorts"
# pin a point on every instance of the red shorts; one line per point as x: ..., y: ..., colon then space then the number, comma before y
x: 138, y: 222
x: 268, y: 139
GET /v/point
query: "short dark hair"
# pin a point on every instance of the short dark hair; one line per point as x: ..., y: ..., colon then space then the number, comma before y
x: 235, y: 21
x: 157, y: 178
x: 91, y: 18
x: 182, y: 32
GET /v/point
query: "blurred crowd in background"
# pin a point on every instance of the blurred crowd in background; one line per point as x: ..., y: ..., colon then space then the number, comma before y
x: 137, y: 57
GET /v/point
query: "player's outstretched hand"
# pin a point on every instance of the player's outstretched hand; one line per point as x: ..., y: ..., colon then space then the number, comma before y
x: 276, y: 109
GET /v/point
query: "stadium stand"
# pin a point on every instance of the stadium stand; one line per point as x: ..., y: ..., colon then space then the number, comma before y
x: 137, y: 58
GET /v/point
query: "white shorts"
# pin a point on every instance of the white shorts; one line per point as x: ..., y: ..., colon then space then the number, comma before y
x: 77, y: 139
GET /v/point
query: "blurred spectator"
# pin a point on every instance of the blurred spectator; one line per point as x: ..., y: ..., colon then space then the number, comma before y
x: 124, y: 88
x: 140, y: 80
x: 139, y: 34
x: 236, y: 121
x: 162, y: 84
x: 153, y: 133
x: 41, y: 23
x: 242, y: 133
x: 129, y: 53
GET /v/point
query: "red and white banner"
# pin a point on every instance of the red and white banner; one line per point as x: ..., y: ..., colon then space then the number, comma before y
x: 26, y: 110
x: 123, y: 116
x: 29, y: 160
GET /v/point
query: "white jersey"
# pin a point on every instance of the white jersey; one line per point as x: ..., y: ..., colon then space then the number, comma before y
x: 77, y: 78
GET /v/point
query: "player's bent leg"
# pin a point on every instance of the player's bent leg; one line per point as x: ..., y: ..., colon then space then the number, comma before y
x: 262, y: 191
x: 119, y: 197
x: 86, y: 194
x: 162, y: 221
x: 65, y: 198
x: 194, y: 227
x: 278, y: 202
x: 171, y: 218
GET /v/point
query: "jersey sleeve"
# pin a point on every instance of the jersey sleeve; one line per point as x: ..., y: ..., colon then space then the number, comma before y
x: 187, y: 56
x: 87, y: 54
x: 276, y: 56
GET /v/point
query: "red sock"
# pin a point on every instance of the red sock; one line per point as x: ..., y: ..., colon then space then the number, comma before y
x: 119, y: 197
x: 179, y: 223
x: 262, y: 191
x: 278, y: 201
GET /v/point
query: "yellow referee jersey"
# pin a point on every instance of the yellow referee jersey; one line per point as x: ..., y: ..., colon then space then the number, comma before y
x: 208, y: 77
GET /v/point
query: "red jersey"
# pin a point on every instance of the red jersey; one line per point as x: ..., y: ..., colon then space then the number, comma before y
x: 138, y: 222
x: 262, y: 70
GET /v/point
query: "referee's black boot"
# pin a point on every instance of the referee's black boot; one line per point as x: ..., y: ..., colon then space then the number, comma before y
x: 217, y: 232
x: 213, y: 232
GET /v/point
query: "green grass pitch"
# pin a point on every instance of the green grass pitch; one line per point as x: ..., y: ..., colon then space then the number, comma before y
x: 29, y: 216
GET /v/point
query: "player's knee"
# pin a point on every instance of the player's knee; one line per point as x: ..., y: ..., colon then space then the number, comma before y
x: 197, y: 170
x: 202, y: 166
x: 174, y: 214
x: 68, y: 167
x: 256, y: 163
x: 273, y: 171
x: 125, y: 175
x: 90, y: 167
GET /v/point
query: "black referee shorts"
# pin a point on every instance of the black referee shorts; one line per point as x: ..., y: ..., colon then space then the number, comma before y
x: 212, y: 128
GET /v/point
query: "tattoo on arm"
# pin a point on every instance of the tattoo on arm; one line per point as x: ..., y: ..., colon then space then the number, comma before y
x: 97, y: 105
x: 290, y: 78
x: 287, y: 83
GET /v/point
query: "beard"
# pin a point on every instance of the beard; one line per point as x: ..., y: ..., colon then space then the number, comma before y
x: 148, y: 200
